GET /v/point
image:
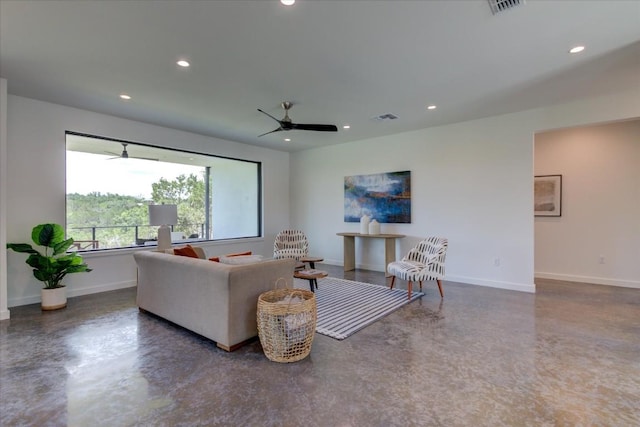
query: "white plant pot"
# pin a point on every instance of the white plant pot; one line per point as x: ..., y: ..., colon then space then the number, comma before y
x: 54, y: 299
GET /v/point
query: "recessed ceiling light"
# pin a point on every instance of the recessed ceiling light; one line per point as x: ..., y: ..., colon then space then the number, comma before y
x: 125, y: 96
x: 576, y: 49
x: 431, y: 107
x: 183, y: 63
x: 287, y: 139
x: 287, y: 2
x: 346, y: 127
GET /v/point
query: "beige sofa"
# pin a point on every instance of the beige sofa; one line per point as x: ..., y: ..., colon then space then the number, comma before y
x: 215, y: 300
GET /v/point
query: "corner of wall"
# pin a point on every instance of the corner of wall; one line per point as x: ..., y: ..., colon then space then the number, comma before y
x: 4, y: 312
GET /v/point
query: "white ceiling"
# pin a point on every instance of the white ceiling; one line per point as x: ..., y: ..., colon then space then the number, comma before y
x: 340, y: 62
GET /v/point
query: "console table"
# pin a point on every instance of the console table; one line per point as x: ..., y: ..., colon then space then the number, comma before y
x: 350, y: 248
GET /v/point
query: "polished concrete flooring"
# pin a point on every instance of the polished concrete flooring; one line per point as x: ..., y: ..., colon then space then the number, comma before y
x: 566, y: 356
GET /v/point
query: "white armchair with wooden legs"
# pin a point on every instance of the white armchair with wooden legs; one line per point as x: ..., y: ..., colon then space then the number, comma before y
x: 423, y: 262
x: 291, y: 244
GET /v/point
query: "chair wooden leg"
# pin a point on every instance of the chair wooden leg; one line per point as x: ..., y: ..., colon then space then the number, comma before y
x: 409, y: 286
x: 420, y: 285
x: 440, y: 287
x: 393, y: 279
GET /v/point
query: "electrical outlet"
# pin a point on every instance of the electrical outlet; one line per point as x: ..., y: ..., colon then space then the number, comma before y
x: 496, y: 262
x: 601, y: 259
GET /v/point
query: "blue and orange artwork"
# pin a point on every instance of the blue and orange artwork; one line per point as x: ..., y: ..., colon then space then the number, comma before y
x: 385, y: 197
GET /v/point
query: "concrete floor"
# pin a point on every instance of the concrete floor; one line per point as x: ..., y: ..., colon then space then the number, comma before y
x: 568, y: 355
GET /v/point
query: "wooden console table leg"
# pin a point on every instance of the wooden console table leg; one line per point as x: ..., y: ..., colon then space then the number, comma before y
x: 349, y: 253
x: 389, y: 253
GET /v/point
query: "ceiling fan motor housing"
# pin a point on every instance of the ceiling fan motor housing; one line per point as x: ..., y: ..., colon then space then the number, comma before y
x: 286, y: 120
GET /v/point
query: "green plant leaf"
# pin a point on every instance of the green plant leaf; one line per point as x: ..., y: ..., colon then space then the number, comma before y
x: 62, y: 246
x: 39, y: 262
x: 40, y: 275
x: 77, y: 260
x: 51, y: 269
x: 81, y: 268
x: 47, y: 235
x: 22, y: 247
x: 68, y: 258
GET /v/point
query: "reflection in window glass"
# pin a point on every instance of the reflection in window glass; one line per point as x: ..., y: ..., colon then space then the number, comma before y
x: 111, y: 183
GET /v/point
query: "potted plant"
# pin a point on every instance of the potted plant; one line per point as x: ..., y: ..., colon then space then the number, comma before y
x: 52, y: 266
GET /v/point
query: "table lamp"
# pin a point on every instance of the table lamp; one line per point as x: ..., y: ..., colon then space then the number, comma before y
x: 164, y: 216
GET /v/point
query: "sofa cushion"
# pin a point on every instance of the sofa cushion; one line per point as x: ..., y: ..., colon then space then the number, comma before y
x: 217, y: 258
x: 187, y: 251
x: 240, y: 259
x: 238, y: 254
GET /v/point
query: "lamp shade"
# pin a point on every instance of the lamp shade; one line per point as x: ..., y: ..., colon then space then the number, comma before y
x: 163, y: 214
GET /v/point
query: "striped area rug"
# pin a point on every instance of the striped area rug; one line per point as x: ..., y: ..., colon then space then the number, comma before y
x: 345, y: 306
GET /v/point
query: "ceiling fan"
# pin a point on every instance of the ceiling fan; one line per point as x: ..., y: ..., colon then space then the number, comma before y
x: 125, y: 154
x: 286, y: 124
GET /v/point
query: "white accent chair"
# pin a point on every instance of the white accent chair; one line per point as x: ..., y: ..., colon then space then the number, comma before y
x: 291, y: 244
x: 423, y: 262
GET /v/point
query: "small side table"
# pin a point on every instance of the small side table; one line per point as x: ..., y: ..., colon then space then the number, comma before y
x: 311, y: 275
x: 311, y: 260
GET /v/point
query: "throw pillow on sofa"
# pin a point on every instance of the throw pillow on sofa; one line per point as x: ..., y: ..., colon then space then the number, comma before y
x: 187, y: 251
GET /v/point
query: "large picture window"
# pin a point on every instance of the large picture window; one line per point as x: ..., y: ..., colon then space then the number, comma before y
x: 111, y: 183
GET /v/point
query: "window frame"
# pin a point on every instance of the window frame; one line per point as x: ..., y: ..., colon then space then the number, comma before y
x: 208, y: 206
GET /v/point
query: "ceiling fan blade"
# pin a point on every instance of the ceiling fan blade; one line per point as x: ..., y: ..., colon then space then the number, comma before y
x: 145, y: 158
x: 263, y: 112
x: 319, y: 128
x: 267, y: 133
x: 286, y: 124
x: 133, y: 157
x: 127, y: 156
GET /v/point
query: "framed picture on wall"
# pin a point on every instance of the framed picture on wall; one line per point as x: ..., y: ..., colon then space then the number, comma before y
x: 547, y: 195
x: 385, y: 197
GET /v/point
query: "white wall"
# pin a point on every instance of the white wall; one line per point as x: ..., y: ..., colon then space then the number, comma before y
x: 472, y: 182
x: 4, y: 312
x: 600, y: 168
x: 36, y: 191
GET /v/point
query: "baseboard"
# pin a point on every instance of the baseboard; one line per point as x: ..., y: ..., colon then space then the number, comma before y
x: 589, y: 279
x: 340, y: 263
x: 74, y: 292
x: 4, y: 314
x: 30, y: 299
x: 337, y: 263
x: 520, y: 287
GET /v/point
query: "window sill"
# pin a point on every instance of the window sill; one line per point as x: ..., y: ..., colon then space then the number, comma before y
x: 99, y: 253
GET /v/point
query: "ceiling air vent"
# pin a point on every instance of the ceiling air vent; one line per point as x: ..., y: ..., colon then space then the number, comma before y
x: 388, y: 116
x: 498, y: 6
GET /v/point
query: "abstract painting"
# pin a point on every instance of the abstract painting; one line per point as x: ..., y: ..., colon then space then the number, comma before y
x: 385, y: 197
x: 547, y: 195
